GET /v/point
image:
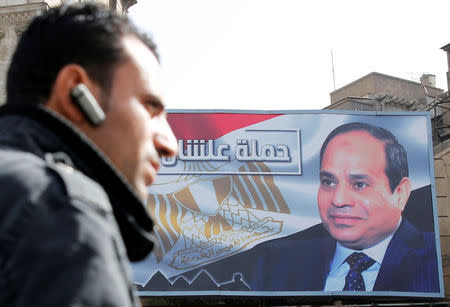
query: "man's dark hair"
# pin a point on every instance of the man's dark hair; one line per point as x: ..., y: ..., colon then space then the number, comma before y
x: 396, y: 159
x: 87, y: 34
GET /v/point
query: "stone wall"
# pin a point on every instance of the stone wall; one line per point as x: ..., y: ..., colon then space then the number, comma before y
x: 380, y: 84
x: 442, y: 176
x: 13, y: 21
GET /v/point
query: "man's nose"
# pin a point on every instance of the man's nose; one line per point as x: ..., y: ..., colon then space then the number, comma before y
x: 342, y: 196
x: 164, y: 140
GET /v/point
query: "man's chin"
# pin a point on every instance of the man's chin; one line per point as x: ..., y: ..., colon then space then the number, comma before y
x: 346, y: 237
x: 349, y: 242
x: 142, y: 192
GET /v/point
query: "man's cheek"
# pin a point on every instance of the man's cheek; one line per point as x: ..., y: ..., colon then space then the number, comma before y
x: 322, y: 198
x: 322, y: 208
x: 364, y: 205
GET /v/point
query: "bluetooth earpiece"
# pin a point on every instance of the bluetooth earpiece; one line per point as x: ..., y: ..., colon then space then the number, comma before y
x: 87, y: 104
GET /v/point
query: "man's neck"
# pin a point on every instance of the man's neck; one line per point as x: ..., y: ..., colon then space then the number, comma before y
x: 376, y: 251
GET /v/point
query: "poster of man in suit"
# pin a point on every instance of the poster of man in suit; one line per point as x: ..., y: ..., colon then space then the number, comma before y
x: 276, y: 205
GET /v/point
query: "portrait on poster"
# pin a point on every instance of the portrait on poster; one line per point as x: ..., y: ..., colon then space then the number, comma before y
x: 296, y: 203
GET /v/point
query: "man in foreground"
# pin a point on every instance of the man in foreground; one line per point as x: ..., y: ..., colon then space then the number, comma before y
x: 81, y: 137
x: 363, y: 243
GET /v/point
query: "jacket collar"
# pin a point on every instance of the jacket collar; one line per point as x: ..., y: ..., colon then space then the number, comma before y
x: 48, y: 132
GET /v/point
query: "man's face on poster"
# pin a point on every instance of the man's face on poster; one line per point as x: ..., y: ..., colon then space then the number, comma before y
x: 355, y: 200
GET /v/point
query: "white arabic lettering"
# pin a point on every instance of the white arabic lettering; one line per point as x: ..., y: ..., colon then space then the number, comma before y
x: 202, y: 150
x: 267, y: 153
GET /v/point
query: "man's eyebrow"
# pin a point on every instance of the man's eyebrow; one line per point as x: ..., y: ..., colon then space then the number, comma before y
x: 326, y: 174
x: 359, y: 177
x: 155, y: 101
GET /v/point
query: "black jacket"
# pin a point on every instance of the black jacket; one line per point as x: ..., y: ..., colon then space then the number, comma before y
x: 69, y: 222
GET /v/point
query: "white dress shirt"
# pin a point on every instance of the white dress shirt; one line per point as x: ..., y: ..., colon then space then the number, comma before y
x: 339, y: 267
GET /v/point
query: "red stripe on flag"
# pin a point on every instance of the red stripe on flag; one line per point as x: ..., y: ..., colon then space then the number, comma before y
x: 211, y: 126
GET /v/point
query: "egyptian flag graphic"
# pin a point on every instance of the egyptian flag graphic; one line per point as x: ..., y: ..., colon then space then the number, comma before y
x: 197, y: 209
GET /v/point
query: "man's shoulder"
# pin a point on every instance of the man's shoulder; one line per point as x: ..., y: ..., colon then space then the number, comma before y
x: 26, y: 177
x: 414, y: 238
x: 36, y: 192
x: 410, y: 262
x: 412, y: 235
x: 56, y: 225
x: 306, y: 236
x: 41, y: 196
x: 411, y: 244
x: 29, y: 176
x: 317, y: 231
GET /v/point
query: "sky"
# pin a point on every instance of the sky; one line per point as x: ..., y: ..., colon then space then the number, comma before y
x: 277, y: 54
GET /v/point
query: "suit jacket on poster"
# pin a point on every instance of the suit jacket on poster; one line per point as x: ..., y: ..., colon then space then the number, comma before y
x: 300, y: 262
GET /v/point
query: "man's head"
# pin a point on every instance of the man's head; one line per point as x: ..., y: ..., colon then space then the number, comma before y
x: 89, y: 44
x: 364, y: 184
x: 87, y: 34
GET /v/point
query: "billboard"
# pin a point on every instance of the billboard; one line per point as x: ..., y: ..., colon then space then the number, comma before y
x: 295, y: 203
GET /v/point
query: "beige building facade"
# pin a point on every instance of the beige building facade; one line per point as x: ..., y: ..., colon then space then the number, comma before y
x: 381, y: 92
x: 442, y: 177
x: 15, y: 16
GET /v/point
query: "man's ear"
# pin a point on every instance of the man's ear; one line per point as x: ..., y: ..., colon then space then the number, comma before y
x: 60, y: 100
x: 402, y: 192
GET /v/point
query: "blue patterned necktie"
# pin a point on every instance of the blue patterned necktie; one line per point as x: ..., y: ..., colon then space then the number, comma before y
x: 359, y: 262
